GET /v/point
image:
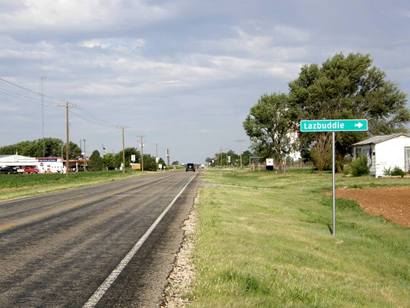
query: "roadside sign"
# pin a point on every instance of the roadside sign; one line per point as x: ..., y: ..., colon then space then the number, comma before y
x: 333, y: 126
x: 269, y: 162
x: 133, y: 158
x: 315, y: 126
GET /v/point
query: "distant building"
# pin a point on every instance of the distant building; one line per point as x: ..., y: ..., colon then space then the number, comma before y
x: 17, y: 161
x: 50, y: 165
x: 43, y: 164
x: 385, y: 152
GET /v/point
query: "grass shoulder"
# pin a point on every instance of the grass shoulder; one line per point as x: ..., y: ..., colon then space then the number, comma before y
x: 263, y: 240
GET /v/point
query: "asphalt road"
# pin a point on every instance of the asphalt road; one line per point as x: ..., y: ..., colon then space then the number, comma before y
x: 57, y: 249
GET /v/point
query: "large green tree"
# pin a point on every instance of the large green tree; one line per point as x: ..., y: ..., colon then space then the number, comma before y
x: 128, y: 152
x: 96, y: 162
x: 347, y: 87
x: 74, y: 151
x: 109, y: 161
x: 149, y: 163
x: 270, y: 125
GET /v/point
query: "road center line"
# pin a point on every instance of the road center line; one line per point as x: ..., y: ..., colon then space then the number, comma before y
x: 102, y: 289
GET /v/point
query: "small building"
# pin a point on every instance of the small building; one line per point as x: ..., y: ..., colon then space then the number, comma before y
x: 385, y: 152
x: 50, y: 165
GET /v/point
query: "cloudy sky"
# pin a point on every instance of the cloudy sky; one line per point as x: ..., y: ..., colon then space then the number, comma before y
x: 183, y: 73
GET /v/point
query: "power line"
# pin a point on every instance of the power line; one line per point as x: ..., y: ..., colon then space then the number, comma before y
x: 19, y: 86
x: 9, y: 89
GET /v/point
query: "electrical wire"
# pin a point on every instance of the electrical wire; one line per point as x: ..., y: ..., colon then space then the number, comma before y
x: 20, y: 96
x: 33, y: 96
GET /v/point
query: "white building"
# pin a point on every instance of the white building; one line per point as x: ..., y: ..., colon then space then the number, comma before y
x: 17, y: 161
x: 385, y: 152
x: 44, y: 165
x: 50, y: 165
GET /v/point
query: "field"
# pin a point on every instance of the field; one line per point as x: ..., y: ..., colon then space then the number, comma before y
x: 21, y: 185
x: 393, y: 203
x: 264, y: 241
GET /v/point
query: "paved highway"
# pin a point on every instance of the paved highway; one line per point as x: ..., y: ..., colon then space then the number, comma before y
x: 58, y: 249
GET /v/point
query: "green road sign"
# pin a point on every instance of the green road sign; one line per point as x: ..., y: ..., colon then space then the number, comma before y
x: 314, y: 126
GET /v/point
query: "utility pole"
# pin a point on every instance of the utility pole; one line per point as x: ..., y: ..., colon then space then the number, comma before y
x: 67, y: 135
x: 84, y: 157
x: 142, y: 152
x: 123, y: 149
x: 168, y: 157
x: 67, y: 106
x: 42, y: 116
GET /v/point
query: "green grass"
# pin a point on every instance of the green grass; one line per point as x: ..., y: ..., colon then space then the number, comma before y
x: 21, y: 185
x: 263, y: 241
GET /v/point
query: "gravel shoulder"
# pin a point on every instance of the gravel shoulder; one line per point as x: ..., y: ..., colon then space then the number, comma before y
x: 182, y: 276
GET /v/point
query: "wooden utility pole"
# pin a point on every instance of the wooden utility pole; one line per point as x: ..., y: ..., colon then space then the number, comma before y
x: 67, y: 135
x: 123, y: 149
x: 142, y: 153
x: 42, y: 117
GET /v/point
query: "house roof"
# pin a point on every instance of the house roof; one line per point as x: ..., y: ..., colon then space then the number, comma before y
x: 380, y: 139
x: 16, y: 158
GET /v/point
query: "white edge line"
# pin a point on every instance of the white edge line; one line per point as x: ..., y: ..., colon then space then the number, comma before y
x: 102, y: 289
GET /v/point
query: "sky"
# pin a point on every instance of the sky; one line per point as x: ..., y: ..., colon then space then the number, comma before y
x: 183, y: 74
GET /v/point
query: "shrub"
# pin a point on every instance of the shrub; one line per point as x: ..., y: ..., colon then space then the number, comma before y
x: 347, y: 169
x: 397, y: 171
x: 387, y: 172
x: 359, y: 166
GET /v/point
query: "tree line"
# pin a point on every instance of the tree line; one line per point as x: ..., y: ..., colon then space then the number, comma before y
x: 343, y: 87
x: 44, y: 147
x: 54, y: 147
x: 230, y: 158
x: 111, y: 161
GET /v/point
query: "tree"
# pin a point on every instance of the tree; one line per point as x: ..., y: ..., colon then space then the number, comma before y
x: 109, y: 161
x: 270, y: 125
x: 96, y: 162
x: 75, y: 151
x: 149, y: 163
x: 246, y: 157
x: 347, y: 87
x: 128, y: 152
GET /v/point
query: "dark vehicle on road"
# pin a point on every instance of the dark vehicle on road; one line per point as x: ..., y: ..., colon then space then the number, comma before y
x: 8, y: 170
x: 190, y: 167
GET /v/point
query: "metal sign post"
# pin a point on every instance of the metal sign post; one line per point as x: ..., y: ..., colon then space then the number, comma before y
x: 317, y: 126
x: 333, y: 184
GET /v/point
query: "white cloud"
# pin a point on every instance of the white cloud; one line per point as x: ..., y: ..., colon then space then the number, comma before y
x: 115, y: 44
x: 79, y: 15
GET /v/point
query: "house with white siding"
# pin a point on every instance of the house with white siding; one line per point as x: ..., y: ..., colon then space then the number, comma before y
x: 385, y: 152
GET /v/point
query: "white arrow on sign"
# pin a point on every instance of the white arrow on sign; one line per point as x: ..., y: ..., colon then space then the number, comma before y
x: 358, y: 125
